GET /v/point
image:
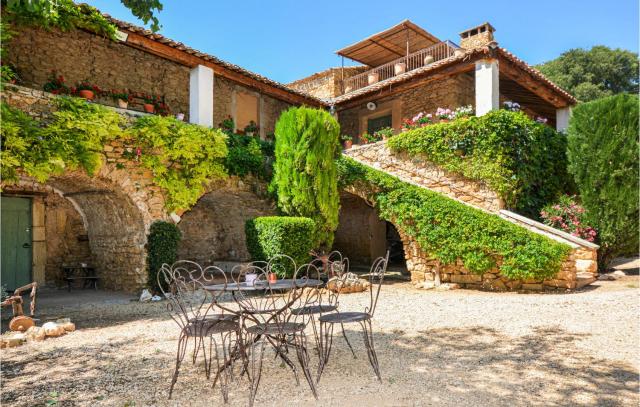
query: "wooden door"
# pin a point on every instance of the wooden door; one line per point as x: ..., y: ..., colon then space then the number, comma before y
x: 16, y: 242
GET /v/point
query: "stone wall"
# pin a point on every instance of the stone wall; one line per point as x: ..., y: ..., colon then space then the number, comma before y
x: 213, y: 230
x: 450, y: 92
x: 427, y: 175
x: 423, y: 266
x: 361, y: 234
x: 79, y: 55
x: 326, y: 84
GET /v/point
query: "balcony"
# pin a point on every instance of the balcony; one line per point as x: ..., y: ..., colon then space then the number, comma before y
x: 408, y: 63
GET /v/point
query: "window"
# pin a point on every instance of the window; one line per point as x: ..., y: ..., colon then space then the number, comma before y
x: 247, y: 106
x: 378, y: 123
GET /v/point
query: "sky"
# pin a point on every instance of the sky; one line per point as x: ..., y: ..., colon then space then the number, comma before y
x: 287, y: 40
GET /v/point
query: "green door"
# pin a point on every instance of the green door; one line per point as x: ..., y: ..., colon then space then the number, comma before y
x: 16, y: 242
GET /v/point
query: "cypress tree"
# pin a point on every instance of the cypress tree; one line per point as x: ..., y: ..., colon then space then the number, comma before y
x: 305, y: 174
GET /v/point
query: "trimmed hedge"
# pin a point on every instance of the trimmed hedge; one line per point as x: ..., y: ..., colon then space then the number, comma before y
x: 162, y: 247
x: 603, y: 158
x: 450, y: 230
x: 269, y: 236
x: 522, y: 160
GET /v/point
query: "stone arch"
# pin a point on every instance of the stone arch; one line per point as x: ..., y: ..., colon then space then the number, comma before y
x: 213, y: 229
x: 117, y: 207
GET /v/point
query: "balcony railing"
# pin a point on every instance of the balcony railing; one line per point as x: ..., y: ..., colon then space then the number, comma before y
x: 407, y: 63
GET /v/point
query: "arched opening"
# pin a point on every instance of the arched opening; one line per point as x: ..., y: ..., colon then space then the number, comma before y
x: 213, y: 229
x: 362, y: 236
x: 78, y: 219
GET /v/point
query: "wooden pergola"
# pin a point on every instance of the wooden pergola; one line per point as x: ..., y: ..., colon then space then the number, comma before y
x: 390, y: 44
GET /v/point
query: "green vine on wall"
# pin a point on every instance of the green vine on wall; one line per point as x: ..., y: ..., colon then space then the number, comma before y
x: 522, y: 160
x: 183, y: 157
x: 451, y: 231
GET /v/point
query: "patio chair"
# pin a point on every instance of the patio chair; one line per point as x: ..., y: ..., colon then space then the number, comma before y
x: 194, y: 310
x: 266, y: 319
x: 327, y: 321
x: 333, y: 265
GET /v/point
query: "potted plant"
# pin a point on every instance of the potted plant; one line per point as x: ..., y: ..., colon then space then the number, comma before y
x: 122, y: 97
x: 384, y: 133
x: 373, y: 77
x: 149, y: 103
x: 87, y: 90
x: 444, y: 115
x: 365, y: 138
x: 347, y: 141
x: 399, y: 68
x: 251, y: 129
x: 56, y: 84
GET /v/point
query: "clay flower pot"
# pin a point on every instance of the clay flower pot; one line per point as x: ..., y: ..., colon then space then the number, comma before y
x: 429, y: 59
x: 123, y: 104
x: 348, y: 144
x: 373, y: 77
x: 87, y: 94
x: 180, y: 116
x: 149, y: 108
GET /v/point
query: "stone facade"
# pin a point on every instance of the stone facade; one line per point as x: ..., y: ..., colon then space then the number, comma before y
x: 213, y: 230
x: 327, y: 84
x: 427, y: 175
x: 450, y: 92
x: 79, y: 55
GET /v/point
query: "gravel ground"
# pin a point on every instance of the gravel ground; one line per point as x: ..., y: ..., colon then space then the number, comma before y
x: 455, y: 348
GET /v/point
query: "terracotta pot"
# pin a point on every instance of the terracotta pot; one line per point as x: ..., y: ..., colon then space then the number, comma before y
x: 180, y: 116
x: 399, y: 68
x: 149, y: 108
x: 123, y: 104
x: 444, y: 120
x: 87, y: 94
x: 429, y: 59
x: 348, y: 89
x: 373, y: 77
x: 348, y: 144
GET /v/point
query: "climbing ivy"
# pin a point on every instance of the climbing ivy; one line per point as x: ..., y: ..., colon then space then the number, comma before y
x: 522, y: 160
x: 183, y: 157
x: 450, y: 230
x: 73, y: 138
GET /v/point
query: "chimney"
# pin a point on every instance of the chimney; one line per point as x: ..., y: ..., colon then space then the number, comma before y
x: 477, y: 36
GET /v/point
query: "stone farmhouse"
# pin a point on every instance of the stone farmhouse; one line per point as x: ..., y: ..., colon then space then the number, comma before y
x: 104, y: 220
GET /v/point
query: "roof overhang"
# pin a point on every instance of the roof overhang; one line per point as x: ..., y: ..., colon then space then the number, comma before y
x: 389, y: 44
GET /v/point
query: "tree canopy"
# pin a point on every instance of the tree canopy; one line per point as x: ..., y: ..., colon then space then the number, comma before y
x: 595, y: 73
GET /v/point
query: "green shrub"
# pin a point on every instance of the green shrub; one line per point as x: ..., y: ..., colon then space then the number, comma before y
x: 603, y: 158
x: 305, y: 178
x: 450, y: 230
x: 183, y: 157
x: 273, y: 235
x: 522, y: 160
x: 245, y: 156
x: 162, y: 247
x: 73, y: 138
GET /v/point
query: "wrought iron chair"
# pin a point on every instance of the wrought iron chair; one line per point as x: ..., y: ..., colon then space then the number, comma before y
x: 332, y: 265
x: 194, y: 310
x: 327, y: 321
x: 265, y: 319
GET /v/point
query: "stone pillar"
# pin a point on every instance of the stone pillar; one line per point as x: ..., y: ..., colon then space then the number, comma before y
x: 487, y: 86
x: 562, y: 118
x: 201, y: 96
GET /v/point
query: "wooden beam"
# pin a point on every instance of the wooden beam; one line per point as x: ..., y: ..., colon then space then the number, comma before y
x: 410, y: 83
x: 389, y: 47
x: 533, y: 85
x: 184, y: 58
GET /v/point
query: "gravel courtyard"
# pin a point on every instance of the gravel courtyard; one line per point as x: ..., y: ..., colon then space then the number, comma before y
x: 452, y: 348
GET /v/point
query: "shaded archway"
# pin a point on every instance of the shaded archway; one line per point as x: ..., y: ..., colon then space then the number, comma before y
x: 213, y: 229
x: 115, y: 226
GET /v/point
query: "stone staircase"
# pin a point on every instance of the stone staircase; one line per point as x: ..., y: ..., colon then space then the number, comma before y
x: 578, y: 270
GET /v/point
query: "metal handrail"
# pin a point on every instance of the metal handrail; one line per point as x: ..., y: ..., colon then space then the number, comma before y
x: 408, y: 63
